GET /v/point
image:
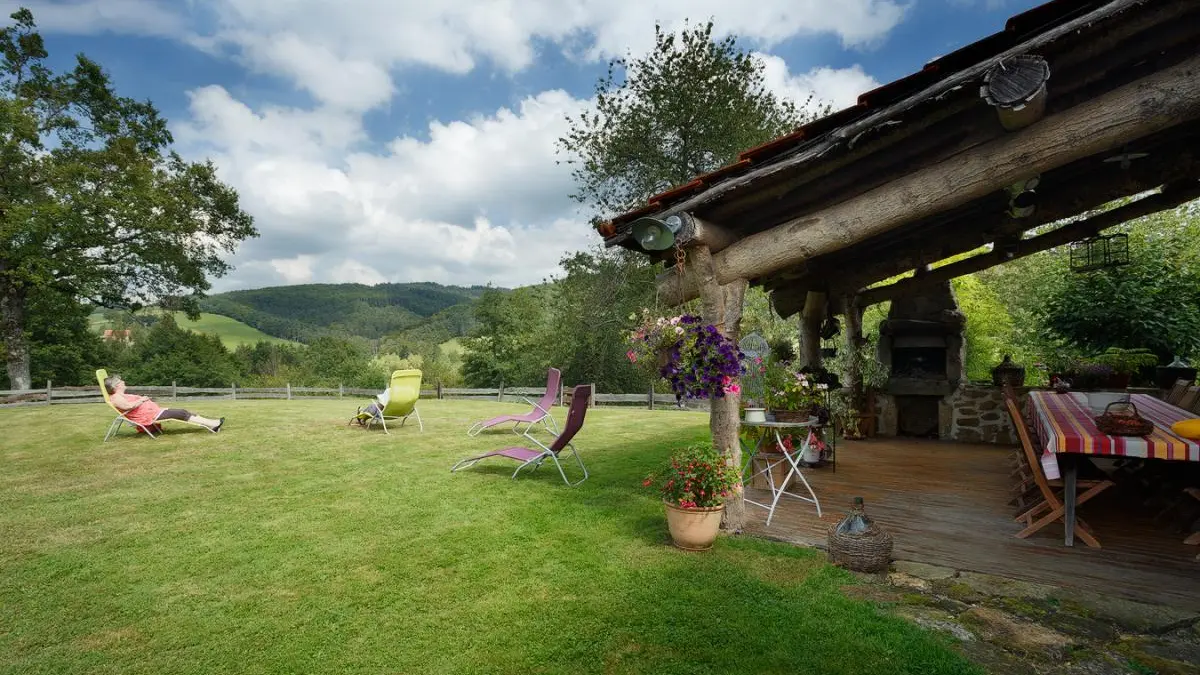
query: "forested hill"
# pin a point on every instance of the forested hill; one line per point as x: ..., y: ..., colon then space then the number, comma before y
x: 309, y: 311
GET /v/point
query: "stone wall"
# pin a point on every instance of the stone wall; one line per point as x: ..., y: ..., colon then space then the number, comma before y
x: 978, y: 415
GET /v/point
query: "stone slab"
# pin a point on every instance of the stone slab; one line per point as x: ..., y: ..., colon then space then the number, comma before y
x: 1021, y: 636
x: 924, y: 571
x: 1136, y: 617
x: 989, y: 584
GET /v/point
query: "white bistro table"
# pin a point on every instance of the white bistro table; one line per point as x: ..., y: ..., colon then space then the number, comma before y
x: 778, y: 491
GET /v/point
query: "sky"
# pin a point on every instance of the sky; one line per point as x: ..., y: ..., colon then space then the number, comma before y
x: 399, y: 140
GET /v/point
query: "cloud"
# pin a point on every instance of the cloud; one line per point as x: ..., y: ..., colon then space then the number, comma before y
x: 471, y: 201
x: 838, y: 86
x: 346, y: 53
x: 85, y: 17
x: 479, y: 200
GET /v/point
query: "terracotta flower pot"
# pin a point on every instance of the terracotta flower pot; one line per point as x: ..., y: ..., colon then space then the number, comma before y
x: 694, y: 529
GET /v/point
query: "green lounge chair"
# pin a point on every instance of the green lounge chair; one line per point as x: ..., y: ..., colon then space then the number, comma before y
x: 403, y: 391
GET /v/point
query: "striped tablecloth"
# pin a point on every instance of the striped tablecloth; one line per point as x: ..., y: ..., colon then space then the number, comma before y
x: 1065, y: 423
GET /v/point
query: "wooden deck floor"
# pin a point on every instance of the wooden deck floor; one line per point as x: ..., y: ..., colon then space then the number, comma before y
x: 946, y: 504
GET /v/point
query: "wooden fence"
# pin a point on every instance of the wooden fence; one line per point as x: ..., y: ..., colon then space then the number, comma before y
x: 52, y: 395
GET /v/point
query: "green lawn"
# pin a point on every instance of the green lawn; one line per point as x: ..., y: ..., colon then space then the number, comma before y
x: 232, y: 332
x: 291, y: 543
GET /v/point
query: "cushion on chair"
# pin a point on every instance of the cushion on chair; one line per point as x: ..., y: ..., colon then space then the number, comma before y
x: 1187, y: 428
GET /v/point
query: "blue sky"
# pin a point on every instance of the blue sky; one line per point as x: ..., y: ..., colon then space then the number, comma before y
x: 392, y: 140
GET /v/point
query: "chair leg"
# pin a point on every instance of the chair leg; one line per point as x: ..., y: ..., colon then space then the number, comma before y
x: 420, y: 425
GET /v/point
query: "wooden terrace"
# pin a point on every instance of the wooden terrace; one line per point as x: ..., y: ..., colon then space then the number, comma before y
x: 946, y: 504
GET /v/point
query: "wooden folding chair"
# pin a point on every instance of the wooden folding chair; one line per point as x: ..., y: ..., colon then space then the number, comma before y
x: 1176, y: 392
x: 1189, y: 398
x: 1051, y: 503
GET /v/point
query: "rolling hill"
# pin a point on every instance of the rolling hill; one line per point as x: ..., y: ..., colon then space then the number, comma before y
x: 427, y: 312
x: 232, y: 333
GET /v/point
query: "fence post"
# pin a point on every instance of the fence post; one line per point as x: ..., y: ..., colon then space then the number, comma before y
x: 49, y: 393
x: 500, y: 396
x: 594, y: 404
x: 651, y: 396
x: 340, y: 390
x: 174, y: 391
x: 562, y: 394
x: 289, y: 391
x: 439, y: 389
x: 233, y: 390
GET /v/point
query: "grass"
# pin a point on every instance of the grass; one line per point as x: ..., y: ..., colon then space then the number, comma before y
x: 233, y: 333
x: 293, y: 543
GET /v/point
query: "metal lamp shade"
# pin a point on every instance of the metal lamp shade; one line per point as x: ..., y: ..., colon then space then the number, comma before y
x: 653, y: 234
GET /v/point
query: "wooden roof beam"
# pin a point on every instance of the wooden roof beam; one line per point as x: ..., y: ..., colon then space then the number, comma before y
x: 1138, y: 109
x: 1169, y: 198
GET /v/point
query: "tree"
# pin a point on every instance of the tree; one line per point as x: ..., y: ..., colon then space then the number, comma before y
x: 62, y: 346
x: 93, y: 204
x: 686, y: 108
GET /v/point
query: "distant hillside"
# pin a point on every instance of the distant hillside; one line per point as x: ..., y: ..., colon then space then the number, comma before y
x: 427, y: 311
x: 232, y: 333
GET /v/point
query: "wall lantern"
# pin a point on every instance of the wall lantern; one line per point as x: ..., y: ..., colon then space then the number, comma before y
x: 1016, y: 88
x: 653, y: 234
x: 1022, y: 199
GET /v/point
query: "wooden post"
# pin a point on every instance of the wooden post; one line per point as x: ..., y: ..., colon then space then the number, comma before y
x: 233, y: 390
x: 49, y: 393
x: 593, y: 401
x: 722, y: 307
x: 815, y: 309
x: 500, y: 394
x: 562, y: 394
x: 854, y: 340
x: 289, y: 391
x: 174, y: 391
x: 651, y: 397
x: 341, y: 389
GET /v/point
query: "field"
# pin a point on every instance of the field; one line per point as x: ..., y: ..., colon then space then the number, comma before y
x: 292, y: 543
x: 232, y: 332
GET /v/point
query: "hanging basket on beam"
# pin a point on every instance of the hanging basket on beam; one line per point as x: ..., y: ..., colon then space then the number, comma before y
x: 1100, y: 252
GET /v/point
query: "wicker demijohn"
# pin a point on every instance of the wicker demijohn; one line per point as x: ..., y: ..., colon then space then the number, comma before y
x: 858, y: 544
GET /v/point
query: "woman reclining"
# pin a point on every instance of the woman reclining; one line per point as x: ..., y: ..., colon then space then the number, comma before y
x: 144, y: 411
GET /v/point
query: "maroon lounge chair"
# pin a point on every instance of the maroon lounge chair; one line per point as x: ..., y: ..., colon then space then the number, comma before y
x: 534, y: 457
x: 540, y: 412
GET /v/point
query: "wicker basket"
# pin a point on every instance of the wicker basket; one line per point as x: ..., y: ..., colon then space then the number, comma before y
x: 868, y: 551
x: 792, y: 416
x: 1124, y: 421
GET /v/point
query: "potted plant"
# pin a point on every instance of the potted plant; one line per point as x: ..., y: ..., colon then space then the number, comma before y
x: 694, y: 357
x: 694, y: 486
x: 791, y: 395
x: 1124, y: 363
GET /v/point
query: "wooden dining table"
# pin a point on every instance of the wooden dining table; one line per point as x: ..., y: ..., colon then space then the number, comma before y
x: 1066, y: 429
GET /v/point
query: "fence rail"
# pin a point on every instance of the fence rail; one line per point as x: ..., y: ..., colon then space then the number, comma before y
x: 52, y: 395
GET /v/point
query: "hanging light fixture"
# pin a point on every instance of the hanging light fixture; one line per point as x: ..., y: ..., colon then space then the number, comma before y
x: 653, y: 234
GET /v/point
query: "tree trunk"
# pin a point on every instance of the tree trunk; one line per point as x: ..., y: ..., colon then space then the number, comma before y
x: 810, y: 330
x: 12, y: 330
x: 853, y: 331
x: 722, y: 307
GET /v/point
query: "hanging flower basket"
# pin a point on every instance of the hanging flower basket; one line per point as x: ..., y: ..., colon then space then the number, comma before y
x: 694, y: 357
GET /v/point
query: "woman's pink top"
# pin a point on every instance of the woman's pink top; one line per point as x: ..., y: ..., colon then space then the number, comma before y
x: 144, y: 414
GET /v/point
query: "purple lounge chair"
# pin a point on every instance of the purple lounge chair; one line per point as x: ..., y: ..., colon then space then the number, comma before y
x: 540, y: 412
x: 530, y: 457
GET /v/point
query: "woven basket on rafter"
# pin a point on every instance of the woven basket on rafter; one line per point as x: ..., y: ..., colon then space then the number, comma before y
x: 869, y: 551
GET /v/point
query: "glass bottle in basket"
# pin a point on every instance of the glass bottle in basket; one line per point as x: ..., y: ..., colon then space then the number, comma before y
x: 855, y: 522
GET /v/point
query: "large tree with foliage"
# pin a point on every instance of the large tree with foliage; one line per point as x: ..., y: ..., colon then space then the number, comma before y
x: 93, y: 204
x: 687, y: 107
